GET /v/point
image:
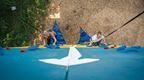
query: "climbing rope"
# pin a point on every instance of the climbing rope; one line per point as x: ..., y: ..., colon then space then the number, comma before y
x: 125, y: 24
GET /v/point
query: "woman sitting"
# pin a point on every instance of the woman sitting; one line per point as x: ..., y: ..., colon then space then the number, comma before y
x: 48, y: 35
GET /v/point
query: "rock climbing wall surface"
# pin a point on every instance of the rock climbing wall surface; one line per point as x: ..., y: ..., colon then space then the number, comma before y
x: 99, y: 15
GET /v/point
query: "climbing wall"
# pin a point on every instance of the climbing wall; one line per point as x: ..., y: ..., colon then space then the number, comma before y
x: 98, y: 15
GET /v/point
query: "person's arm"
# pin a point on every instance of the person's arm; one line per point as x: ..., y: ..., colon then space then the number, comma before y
x: 99, y: 39
x: 53, y: 32
x: 104, y: 41
x: 44, y: 41
x: 55, y: 40
x: 35, y: 40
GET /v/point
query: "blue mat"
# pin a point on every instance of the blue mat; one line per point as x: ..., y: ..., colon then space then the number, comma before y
x: 1, y: 51
x: 84, y: 37
x: 25, y: 66
x: 112, y: 65
x: 1, y: 48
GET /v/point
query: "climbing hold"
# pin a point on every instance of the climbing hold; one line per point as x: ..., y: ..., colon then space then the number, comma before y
x: 123, y: 47
x: 106, y: 48
x: 23, y: 50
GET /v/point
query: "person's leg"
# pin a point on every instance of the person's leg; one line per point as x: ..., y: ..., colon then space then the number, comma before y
x: 44, y: 41
x: 90, y: 43
x: 96, y: 43
x: 31, y: 42
x: 55, y: 40
x: 35, y: 41
x: 48, y: 40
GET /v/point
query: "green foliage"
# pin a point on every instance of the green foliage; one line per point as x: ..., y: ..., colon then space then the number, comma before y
x: 17, y: 27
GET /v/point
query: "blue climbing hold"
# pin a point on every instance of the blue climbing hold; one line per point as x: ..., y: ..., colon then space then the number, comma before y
x: 84, y: 37
x: 123, y: 47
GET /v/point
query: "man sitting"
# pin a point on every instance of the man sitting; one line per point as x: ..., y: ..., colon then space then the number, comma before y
x: 97, y: 39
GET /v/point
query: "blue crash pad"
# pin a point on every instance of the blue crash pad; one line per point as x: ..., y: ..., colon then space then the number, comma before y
x: 84, y: 37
